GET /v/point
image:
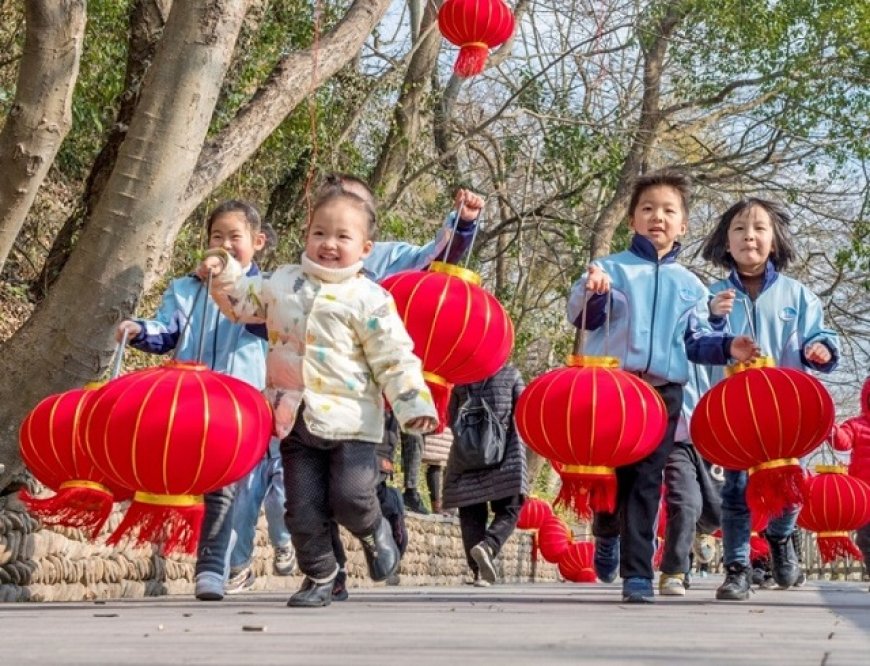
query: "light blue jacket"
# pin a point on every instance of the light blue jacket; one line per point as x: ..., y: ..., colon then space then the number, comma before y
x: 659, y: 319
x: 234, y: 349
x: 784, y: 319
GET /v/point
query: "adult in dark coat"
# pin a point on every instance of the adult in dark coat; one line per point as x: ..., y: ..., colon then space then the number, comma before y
x: 501, y: 489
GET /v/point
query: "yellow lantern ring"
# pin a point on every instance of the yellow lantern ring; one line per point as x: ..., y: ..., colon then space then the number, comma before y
x: 741, y: 366
x: 455, y: 271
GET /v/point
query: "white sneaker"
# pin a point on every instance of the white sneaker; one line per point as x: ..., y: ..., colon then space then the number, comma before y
x: 480, y: 554
x: 671, y: 585
x: 285, y: 560
x: 241, y: 581
x: 209, y: 586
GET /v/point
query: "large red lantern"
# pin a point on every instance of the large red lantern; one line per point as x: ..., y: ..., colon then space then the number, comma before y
x: 763, y: 419
x: 835, y: 504
x: 590, y: 418
x: 534, y: 512
x: 173, y: 433
x: 51, y: 447
x: 476, y: 26
x: 461, y: 332
x: 576, y: 563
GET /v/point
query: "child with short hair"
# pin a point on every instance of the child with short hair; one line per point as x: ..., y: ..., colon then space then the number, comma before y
x: 235, y: 227
x: 785, y: 318
x: 336, y: 343
x: 658, y: 324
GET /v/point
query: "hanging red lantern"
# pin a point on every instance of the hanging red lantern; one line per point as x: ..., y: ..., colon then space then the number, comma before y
x: 173, y: 433
x: 576, y: 563
x: 51, y: 447
x: 763, y: 419
x: 475, y: 26
x: 461, y: 332
x: 835, y: 504
x: 590, y: 418
x: 554, y: 537
x: 533, y: 514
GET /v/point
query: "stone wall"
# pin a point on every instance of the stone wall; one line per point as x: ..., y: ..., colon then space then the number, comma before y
x: 48, y: 564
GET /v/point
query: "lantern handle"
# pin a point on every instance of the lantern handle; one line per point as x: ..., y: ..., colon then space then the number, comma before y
x: 749, y: 319
x: 580, y: 335
x: 119, y: 355
x: 201, y: 346
x: 186, y: 327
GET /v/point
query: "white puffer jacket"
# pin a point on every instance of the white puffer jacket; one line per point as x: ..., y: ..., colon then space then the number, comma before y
x: 336, y: 342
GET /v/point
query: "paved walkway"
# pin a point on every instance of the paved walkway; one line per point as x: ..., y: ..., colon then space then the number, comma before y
x: 823, y: 623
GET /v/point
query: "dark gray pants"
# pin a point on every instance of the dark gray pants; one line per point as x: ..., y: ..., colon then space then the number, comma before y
x: 862, y: 540
x: 412, y: 454
x: 212, y: 552
x: 326, y: 480
x: 473, y: 524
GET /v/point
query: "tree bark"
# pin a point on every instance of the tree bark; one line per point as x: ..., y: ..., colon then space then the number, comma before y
x: 67, y: 340
x: 41, y: 114
x: 405, y: 128
x: 644, y: 136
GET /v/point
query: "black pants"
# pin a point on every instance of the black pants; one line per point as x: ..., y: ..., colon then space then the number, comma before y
x: 412, y: 452
x: 434, y: 477
x: 473, y: 523
x: 639, y: 491
x: 325, y: 479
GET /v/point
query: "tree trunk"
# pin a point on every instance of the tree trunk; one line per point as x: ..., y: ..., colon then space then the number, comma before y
x: 67, y: 340
x: 41, y: 114
x: 407, y: 118
x: 645, y: 134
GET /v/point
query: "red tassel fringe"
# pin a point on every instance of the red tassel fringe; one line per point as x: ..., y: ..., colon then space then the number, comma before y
x: 471, y: 60
x: 441, y: 399
x: 83, y: 508
x: 769, y: 491
x: 830, y: 548
x: 586, y: 495
x: 759, y: 549
x: 174, y: 528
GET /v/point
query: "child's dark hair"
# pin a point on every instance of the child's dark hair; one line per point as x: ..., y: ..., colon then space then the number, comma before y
x: 662, y: 178
x: 328, y: 196
x: 338, y: 181
x: 252, y: 215
x: 782, y: 252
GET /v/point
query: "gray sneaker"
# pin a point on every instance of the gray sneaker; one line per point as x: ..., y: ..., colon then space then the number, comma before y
x: 209, y: 586
x: 240, y: 581
x: 285, y: 560
x: 481, y: 555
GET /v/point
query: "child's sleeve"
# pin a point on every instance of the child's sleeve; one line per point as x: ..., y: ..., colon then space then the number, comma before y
x: 811, y: 328
x: 160, y: 335
x: 241, y: 299
x: 389, y: 352
x: 843, y: 436
x: 705, y: 346
x: 596, y: 305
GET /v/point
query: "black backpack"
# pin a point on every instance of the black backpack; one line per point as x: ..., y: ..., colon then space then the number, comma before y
x: 478, y: 436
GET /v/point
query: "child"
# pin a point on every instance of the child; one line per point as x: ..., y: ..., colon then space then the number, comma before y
x: 658, y: 324
x: 240, y: 351
x: 785, y: 319
x: 854, y: 434
x: 336, y: 343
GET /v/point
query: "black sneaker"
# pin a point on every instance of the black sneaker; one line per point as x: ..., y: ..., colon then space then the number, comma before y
x: 483, y: 558
x: 785, y: 568
x: 737, y: 583
x: 381, y: 552
x: 312, y: 595
x: 339, y: 586
x: 413, y: 501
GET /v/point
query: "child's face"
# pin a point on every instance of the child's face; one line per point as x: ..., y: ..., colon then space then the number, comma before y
x: 231, y: 232
x: 338, y: 235
x: 660, y: 217
x: 750, y: 239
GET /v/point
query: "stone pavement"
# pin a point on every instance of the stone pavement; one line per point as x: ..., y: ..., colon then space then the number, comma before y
x: 823, y: 623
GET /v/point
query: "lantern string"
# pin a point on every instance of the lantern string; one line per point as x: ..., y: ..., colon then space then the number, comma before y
x: 186, y: 327
x: 580, y: 335
x: 477, y: 226
x: 201, y: 345
x: 749, y: 319
x: 119, y: 355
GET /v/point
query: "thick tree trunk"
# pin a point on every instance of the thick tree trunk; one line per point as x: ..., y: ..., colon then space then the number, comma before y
x: 645, y: 134
x: 41, y: 114
x: 67, y: 340
x: 405, y: 128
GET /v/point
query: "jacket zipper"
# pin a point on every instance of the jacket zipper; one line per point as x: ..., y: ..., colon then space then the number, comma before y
x: 652, y: 325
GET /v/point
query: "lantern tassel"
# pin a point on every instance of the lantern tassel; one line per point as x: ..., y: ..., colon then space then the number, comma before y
x: 170, y: 521
x: 771, y: 489
x: 83, y: 505
x: 759, y: 549
x: 440, y: 390
x: 471, y: 60
x: 585, y: 494
x: 836, y: 544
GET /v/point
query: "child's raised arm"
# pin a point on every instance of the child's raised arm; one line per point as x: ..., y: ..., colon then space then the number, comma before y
x: 241, y: 299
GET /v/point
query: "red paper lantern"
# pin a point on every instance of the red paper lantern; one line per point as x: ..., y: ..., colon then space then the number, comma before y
x: 835, y: 504
x: 763, y: 419
x: 576, y: 563
x: 533, y: 514
x: 461, y: 332
x: 590, y: 418
x: 52, y: 449
x: 173, y: 433
x: 554, y: 537
x: 476, y: 26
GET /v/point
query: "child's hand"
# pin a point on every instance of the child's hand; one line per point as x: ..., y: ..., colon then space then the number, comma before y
x: 597, y: 280
x: 213, y: 265
x: 723, y: 303
x: 744, y: 349
x: 131, y: 328
x: 468, y: 204
x: 422, y: 424
x: 818, y: 353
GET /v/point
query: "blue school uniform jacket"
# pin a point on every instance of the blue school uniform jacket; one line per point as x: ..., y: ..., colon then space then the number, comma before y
x: 659, y: 318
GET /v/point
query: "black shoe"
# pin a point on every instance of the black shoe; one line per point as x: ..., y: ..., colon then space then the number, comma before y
x: 481, y: 554
x: 382, y: 554
x: 339, y: 586
x: 413, y: 501
x: 312, y: 595
x: 785, y: 569
x: 737, y: 583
